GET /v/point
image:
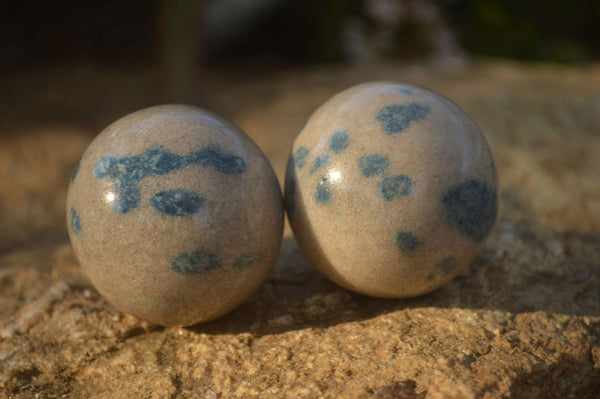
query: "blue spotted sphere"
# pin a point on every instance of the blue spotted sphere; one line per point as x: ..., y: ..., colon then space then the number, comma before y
x: 391, y: 189
x: 175, y: 215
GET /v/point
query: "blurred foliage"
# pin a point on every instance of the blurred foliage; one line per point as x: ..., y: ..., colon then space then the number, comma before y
x: 37, y: 32
x: 552, y: 30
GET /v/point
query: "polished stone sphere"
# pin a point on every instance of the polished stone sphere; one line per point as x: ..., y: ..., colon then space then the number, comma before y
x: 175, y: 215
x: 391, y: 189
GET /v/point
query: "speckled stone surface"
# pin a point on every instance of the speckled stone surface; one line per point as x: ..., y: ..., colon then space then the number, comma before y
x: 175, y: 215
x: 390, y: 189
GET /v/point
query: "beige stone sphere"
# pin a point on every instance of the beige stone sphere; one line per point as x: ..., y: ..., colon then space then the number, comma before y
x: 391, y: 189
x: 175, y: 215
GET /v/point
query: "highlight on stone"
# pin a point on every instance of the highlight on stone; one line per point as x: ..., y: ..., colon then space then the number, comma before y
x: 175, y: 215
x: 401, y: 191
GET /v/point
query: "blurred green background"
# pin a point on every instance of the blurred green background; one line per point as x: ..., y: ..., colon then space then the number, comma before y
x: 179, y: 36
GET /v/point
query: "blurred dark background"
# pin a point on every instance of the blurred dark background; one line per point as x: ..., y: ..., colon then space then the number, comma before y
x: 34, y: 32
x: 177, y: 36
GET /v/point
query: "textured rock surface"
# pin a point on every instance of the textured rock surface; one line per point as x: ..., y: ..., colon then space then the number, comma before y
x: 522, y: 321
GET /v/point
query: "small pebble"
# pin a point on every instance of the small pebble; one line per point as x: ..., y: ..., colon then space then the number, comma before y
x: 391, y: 189
x: 175, y: 215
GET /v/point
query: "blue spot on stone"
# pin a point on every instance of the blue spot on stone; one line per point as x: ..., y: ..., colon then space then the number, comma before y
x: 443, y: 268
x: 107, y: 167
x: 76, y: 170
x: 339, y: 141
x: 75, y: 222
x: 447, y: 265
x: 471, y: 207
x: 127, y: 196
x: 405, y: 90
x: 300, y: 156
x: 128, y: 171
x: 158, y: 161
x: 319, y: 163
x: 406, y: 241
x: 395, y: 118
x: 177, y: 202
x: 372, y: 165
x: 246, y: 260
x: 290, y: 186
x: 195, y: 262
x: 395, y: 186
x: 323, y: 191
x: 224, y: 163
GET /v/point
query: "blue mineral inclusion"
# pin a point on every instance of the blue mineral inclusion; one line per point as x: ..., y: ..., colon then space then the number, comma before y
x: 246, y: 260
x: 195, y: 262
x: 395, y: 118
x: 443, y: 268
x: 323, y: 191
x: 405, y: 90
x: 75, y: 170
x: 177, y: 202
x: 395, y: 186
x: 128, y: 171
x: 75, y: 222
x: 300, y: 156
x: 471, y: 207
x: 319, y: 163
x: 339, y: 141
x: 372, y: 165
x: 446, y: 265
x: 406, y: 241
